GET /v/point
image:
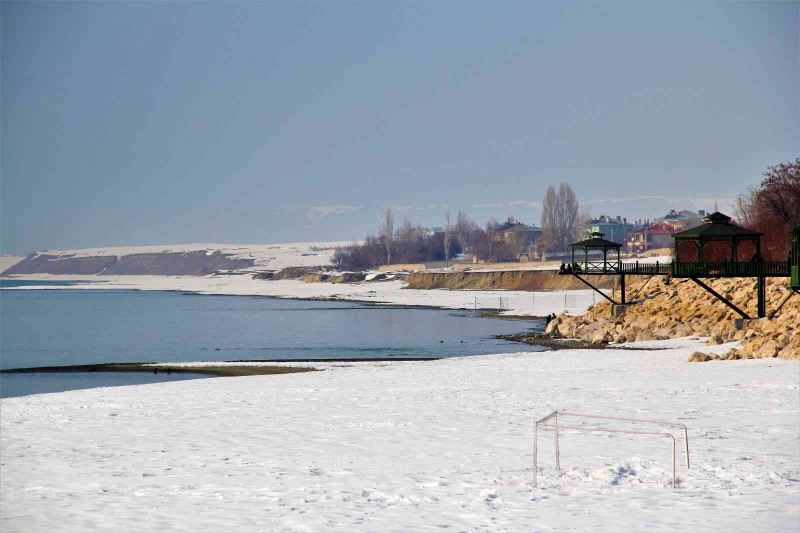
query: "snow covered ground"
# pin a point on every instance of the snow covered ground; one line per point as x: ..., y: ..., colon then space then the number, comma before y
x: 266, y: 256
x: 385, y: 292
x: 442, y: 445
x: 7, y: 261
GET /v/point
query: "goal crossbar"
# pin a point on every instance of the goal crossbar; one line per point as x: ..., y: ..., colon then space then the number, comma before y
x: 556, y: 426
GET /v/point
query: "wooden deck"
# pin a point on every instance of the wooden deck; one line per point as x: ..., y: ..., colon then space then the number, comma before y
x: 766, y: 269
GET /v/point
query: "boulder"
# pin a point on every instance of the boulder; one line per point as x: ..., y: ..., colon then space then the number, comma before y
x: 552, y: 326
x: 768, y: 349
x: 699, y: 357
x: 715, y: 339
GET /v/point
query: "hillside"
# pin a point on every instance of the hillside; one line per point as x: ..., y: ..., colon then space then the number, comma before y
x: 174, y: 260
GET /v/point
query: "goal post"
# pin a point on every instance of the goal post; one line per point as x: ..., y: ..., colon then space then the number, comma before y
x: 551, y: 422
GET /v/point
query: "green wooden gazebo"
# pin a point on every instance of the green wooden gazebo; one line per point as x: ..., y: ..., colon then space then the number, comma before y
x: 590, y: 261
x: 717, y: 228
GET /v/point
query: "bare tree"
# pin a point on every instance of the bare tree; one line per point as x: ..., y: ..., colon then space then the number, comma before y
x: 447, y: 238
x: 584, y: 215
x: 548, y: 221
x: 491, y: 225
x: 744, y: 208
x: 387, y: 233
x: 464, y: 228
x: 559, y: 217
x: 779, y: 195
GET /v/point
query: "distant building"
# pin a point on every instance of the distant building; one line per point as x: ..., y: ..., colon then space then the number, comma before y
x: 430, y: 232
x: 657, y: 235
x: 682, y: 220
x: 614, y: 229
x: 522, y: 239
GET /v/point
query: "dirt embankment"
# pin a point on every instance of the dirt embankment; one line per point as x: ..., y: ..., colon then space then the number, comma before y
x: 194, y: 263
x: 509, y: 280
x: 681, y: 308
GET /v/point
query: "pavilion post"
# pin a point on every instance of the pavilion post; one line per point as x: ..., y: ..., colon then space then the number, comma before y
x: 762, y: 296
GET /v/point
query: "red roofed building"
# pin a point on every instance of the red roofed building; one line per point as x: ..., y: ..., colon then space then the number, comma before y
x: 658, y: 235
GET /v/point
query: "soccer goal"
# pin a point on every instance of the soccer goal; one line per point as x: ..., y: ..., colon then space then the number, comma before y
x: 555, y: 422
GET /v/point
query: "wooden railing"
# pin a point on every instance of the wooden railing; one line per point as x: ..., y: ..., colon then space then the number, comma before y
x: 690, y: 270
x: 646, y: 269
x: 727, y: 269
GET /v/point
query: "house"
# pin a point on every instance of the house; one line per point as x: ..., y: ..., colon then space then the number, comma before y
x: 614, y: 229
x: 657, y: 235
x: 682, y: 220
x: 430, y: 232
x: 521, y: 239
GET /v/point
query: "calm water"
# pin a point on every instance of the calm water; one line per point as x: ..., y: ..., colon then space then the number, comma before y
x: 67, y: 327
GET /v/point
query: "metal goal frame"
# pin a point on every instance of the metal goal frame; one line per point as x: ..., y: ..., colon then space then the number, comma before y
x: 544, y: 423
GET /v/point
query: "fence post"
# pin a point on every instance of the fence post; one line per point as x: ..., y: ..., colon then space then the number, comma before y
x: 565, y: 299
x: 475, y: 309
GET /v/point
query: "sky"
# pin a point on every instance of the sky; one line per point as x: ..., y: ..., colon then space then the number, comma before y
x: 164, y: 123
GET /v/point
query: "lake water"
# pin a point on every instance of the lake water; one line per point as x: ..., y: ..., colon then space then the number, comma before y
x: 68, y: 327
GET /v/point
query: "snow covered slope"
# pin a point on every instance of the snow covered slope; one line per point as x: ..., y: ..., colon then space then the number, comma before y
x: 7, y: 261
x: 170, y: 259
x: 442, y: 445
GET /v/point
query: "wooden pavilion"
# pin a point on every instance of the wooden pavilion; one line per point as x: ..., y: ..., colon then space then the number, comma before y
x: 591, y: 260
x: 715, y: 249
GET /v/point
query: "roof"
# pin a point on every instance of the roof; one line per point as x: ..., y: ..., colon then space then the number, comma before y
x: 599, y: 221
x: 657, y: 228
x: 596, y: 241
x: 717, y: 227
x: 681, y: 215
x: 514, y: 225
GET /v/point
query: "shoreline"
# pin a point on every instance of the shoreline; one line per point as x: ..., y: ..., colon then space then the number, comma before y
x: 485, y: 313
x: 504, y: 303
x: 156, y: 368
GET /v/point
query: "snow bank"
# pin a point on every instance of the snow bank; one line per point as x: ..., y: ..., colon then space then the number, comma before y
x: 410, y: 446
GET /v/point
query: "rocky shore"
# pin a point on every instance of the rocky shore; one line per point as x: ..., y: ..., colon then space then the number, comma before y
x: 680, y: 308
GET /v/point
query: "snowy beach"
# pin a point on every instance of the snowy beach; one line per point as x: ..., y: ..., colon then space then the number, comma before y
x: 407, y: 446
x: 411, y: 446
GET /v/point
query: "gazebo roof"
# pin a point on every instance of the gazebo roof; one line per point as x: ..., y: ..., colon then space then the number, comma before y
x: 717, y: 227
x: 596, y: 241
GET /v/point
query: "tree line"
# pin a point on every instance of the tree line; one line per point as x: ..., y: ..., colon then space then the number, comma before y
x: 773, y: 208
x: 411, y: 243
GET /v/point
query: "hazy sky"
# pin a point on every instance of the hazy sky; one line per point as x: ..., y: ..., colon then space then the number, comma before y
x: 156, y: 123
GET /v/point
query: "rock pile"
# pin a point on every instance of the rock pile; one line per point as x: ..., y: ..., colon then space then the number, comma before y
x: 680, y: 308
